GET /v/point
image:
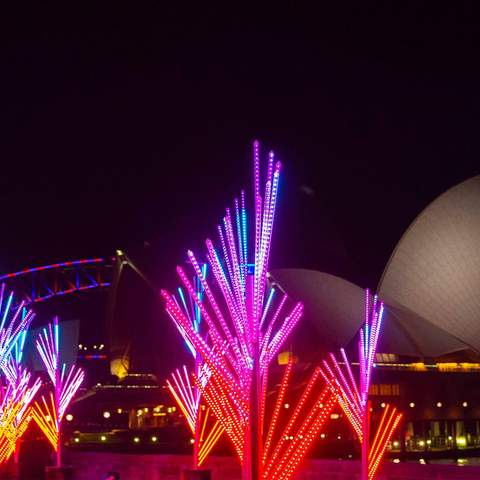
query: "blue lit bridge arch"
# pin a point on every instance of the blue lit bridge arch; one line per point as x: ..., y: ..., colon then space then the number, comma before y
x: 39, y: 284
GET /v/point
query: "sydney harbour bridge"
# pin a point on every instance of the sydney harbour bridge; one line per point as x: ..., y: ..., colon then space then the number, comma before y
x: 45, y: 283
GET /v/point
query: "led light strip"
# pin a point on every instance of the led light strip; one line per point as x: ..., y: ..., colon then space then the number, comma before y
x: 49, y: 416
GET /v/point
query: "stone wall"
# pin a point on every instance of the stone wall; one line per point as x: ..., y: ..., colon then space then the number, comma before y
x: 93, y: 465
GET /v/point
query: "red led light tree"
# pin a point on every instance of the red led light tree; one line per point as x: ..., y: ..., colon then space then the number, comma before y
x: 284, y: 450
x: 248, y: 322
x: 353, y: 397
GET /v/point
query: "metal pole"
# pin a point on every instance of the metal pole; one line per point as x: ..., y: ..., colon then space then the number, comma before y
x: 57, y: 404
x: 255, y: 433
x: 16, y: 453
x: 253, y: 462
x: 366, y: 438
x: 196, y: 440
x: 59, y: 450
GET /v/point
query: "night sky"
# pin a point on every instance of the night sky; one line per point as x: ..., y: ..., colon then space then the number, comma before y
x: 129, y: 125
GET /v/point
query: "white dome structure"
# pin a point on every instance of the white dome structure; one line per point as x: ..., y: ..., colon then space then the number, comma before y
x: 430, y: 286
x: 434, y: 270
x: 335, y: 307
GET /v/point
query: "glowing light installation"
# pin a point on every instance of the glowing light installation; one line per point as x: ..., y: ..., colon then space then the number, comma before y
x: 18, y: 393
x: 14, y: 323
x: 205, y: 428
x: 247, y: 325
x: 49, y: 413
x: 284, y: 450
x: 353, y: 398
x: 15, y: 410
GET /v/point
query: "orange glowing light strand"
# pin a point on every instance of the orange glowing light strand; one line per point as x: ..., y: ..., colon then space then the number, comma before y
x: 49, y: 415
x: 388, y: 424
x: 304, y: 425
x: 45, y: 415
x: 353, y: 398
x: 15, y: 411
x: 209, y: 442
x: 9, y: 441
x: 188, y: 399
x: 19, y: 390
x: 278, y: 405
x: 248, y: 322
x: 14, y: 419
x: 7, y: 430
x: 187, y: 395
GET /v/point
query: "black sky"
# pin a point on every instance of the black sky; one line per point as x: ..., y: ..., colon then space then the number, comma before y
x: 128, y: 125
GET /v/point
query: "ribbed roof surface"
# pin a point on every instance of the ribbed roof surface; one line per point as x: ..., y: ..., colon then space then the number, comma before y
x: 435, y: 269
x: 335, y: 308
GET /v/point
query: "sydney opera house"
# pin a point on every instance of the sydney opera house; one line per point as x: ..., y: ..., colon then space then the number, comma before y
x: 429, y: 360
x: 428, y: 363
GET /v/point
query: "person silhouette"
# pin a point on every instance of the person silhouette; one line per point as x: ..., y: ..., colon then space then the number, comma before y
x: 112, y: 476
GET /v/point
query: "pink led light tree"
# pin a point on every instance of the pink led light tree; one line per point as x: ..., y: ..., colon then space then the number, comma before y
x: 49, y: 413
x: 247, y: 326
x: 205, y: 428
x: 353, y: 397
